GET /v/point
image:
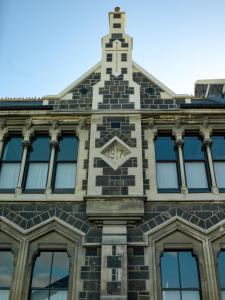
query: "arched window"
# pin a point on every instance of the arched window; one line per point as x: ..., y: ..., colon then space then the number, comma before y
x: 179, y: 276
x: 50, y: 277
x: 6, y: 272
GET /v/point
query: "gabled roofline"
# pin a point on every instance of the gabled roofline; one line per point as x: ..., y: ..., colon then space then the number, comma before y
x: 74, y: 83
x: 159, y: 83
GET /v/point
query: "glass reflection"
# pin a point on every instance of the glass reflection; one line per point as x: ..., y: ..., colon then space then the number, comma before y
x: 171, y: 295
x: 190, y: 295
x: 6, y: 272
x: 169, y: 269
x: 50, y: 276
x: 188, y: 270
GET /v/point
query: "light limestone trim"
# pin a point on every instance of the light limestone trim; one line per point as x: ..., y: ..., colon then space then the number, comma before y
x: 93, y: 172
x: 149, y: 136
x: 157, y: 82
x: 210, y: 81
x: 83, y: 135
x: 3, y: 133
x: 73, y: 84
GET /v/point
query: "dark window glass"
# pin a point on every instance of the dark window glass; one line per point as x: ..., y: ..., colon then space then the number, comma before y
x: 117, y: 16
x: 50, y: 276
x: 124, y: 70
x: 37, y: 164
x: 218, y: 156
x: 124, y: 57
x: 196, y: 167
x: 116, y: 25
x: 6, y: 273
x: 109, y: 57
x: 115, y: 125
x: 166, y: 164
x: 218, y: 147
x: 193, y: 148
x: 165, y: 148
x: 10, y: 163
x: 65, y: 165
x: 179, y: 276
x: 221, y: 270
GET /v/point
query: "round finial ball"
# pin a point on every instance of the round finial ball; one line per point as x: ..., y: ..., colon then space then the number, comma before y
x: 117, y: 9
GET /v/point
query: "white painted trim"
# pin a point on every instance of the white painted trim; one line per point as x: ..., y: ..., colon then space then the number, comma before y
x: 74, y: 83
x: 159, y: 83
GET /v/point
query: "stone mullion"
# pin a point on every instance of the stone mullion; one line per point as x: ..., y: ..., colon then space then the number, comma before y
x: 150, y: 136
x: 207, y: 143
x: 19, y: 273
x: 54, y: 145
x: 26, y: 145
x: 179, y: 143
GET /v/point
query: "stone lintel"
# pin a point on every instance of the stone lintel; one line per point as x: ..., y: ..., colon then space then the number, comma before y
x: 115, y: 208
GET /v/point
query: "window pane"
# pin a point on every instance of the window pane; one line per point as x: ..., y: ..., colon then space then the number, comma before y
x: 6, y: 268
x: 167, y: 175
x: 4, y: 295
x: 221, y: 268
x: 13, y: 149
x: 171, y: 295
x: 39, y: 295
x: 196, y: 175
x: 218, y: 147
x: 193, y: 148
x: 40, y: 149
x: 42, y: 269
x: 190, y: 295
x: 65, y: 176
x: 169, y: 270
x: 188, y: 270
x: 37, y: 176
x: 9, y: 174
x: 58, y: 295
x: 223, y: 295
x: 68, y: 147
x: 60, y: 270
x: 219, y: 168
x: 164, y: 147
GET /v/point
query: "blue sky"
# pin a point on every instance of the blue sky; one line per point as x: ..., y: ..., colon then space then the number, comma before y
x: 47, y: 44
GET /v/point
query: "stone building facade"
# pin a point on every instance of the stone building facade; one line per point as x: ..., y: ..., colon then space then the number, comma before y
x: 114, y: 188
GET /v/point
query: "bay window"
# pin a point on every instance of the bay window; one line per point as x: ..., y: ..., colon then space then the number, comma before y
x: 6, y: 272
x: 195, y: 163
x: 179, y: 276
x: 50, y: 276
x: 10, y: 163
x: 218, y: 156
x: 37, y: 165
x: 166, y: 164
x: 65, y: 164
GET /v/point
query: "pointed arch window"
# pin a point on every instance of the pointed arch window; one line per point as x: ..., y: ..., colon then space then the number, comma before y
x: 6, y: 273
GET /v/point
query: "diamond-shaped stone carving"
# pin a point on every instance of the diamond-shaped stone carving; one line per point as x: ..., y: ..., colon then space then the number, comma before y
x: 115, y: 152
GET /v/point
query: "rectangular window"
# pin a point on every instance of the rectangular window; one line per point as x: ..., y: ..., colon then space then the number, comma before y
x: 109, y: 57
x: 66, y: 164
x: 179, y: 276
x: 116, y: 25
x: 218, y: 156
x: 221, y: 270
x: 166, y: 164
x: 123, y: 56
x: 117, y: 16
x: 10, y: 163
x: 37, y: 165
x: 6, y: 273
x: 50, y: 278
x: 195, y: 164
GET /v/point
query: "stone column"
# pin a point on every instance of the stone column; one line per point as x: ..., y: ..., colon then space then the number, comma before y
x: 179, y: 143
x: 54, y: 132
x: 28, y: 131
x: 114, y: 261
x: 205, y: 131
x: 207, y: 143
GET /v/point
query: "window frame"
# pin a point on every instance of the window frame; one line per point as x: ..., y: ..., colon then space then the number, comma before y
x: 27, y: 164
x: 176, y: 161
x: 64, y: 190
x: 7, y: 138
x: 8, y: 249
x: 205, y: 161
